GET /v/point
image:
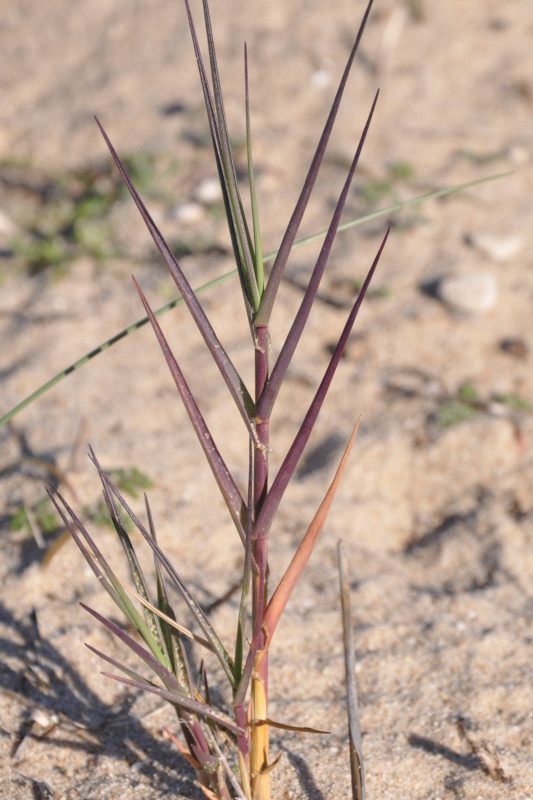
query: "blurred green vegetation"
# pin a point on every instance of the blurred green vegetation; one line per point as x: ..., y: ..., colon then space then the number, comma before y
x: 41, y: 521
x: 467, y: 402
x: 62, y: 217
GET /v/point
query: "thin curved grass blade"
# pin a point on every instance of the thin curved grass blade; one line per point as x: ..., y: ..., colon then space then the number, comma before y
x: 202, y: 620
x: 209, y: 712
x: 181, y: 629
x: 174, y: 651
x: 103, y: 572
x: 125, y: 332
x: 354, y: 727
x: 435, y: 194
x: 135, y: 568
x: 167, y: 677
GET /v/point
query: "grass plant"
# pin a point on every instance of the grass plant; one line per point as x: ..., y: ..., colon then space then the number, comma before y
x: 229, y: 746
x: 214, y: 741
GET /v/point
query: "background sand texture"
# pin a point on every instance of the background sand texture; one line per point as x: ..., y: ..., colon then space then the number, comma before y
x: 437, y: 521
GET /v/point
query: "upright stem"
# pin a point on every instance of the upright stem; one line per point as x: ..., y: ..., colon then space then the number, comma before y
x: 261, y: 377
x: 259, y: 739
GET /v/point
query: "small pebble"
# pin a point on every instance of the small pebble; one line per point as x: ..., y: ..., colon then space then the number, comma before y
x: 321, y: 78
x: 473, y: 292
x: 188, y: 212
x: 519, y: 155
x: 208, y: 192
x: 497, y: 248
x: 43, y: 719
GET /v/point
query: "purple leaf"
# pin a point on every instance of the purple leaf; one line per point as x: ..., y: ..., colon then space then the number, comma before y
x: 266, y: 402
x: 167, y: 677
x: 226, y: 484
x: 233, y: 380
x: 184, y: 702
x: 274, y: 496
x: 267, y: 302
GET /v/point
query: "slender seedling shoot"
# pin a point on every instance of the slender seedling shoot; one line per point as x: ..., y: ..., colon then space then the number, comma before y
x: 229, y: 748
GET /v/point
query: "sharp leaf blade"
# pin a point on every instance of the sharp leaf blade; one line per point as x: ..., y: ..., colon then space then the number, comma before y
x: 269, y: 296
x: 266, y: 402
x: 223, y: 477
x: 275, y: 494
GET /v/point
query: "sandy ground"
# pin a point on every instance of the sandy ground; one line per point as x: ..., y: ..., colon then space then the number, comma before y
x: 436, y: 519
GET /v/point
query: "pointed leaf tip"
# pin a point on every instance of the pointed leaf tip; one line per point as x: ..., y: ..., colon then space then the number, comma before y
x: 282, y: 255
x: 286, y: 586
